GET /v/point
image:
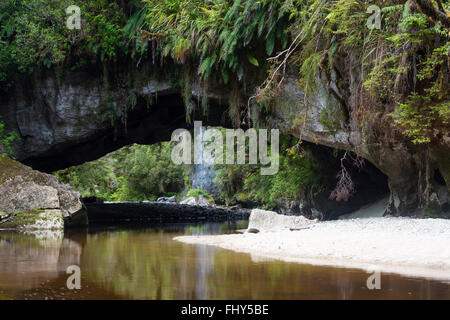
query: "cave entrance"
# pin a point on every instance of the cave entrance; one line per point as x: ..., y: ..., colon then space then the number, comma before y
x: 370, y: 185
x: 439, y: 178
x: 150, y: 121
x: 132, y: 173
x: 145, y: 172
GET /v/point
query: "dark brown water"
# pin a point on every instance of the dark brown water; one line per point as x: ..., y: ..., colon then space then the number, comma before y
x: 145, y: 263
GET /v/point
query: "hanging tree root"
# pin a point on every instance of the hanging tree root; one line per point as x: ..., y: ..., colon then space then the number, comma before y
x: 345, y: 186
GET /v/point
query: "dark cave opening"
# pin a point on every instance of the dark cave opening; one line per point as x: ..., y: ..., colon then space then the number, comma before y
x: 145, y: 124
x: 151, y: 123
x: 370, y: 183
x: 439, y: 178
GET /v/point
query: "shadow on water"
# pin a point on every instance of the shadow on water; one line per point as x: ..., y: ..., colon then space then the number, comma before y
x: 143, y: 262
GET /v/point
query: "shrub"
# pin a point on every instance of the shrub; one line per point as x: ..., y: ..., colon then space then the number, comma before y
x: 7, y: 141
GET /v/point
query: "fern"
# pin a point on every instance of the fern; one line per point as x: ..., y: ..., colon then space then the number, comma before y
x: 215, y: 34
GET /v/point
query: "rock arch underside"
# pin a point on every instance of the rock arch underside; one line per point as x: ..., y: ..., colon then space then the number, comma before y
x: 70, y: 118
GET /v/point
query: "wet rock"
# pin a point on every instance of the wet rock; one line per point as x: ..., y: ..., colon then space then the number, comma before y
x: 114, y: 212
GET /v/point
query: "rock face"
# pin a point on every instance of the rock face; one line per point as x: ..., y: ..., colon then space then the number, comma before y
x: 35, y: 200
x: 263, y: 220
x: 20, y: 196
x: 54, y: 113
x: 77, y: 111
x: 414, y: 174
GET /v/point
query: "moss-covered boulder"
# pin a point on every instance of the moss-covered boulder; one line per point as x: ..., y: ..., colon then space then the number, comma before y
x: 30, y: 199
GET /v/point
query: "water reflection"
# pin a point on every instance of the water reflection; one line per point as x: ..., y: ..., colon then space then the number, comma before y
x: 145, y: 263
x: 28, y: 260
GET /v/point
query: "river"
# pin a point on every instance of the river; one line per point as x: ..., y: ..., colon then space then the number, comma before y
x: 130, y: 262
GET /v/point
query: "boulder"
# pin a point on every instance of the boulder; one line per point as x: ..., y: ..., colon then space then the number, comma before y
x: 263, y: 220
x: 20, y: 196
x: 36, y: 200
x: 190, y: 201
x: 172, y: 199
x: 203, y: 201
x: 199, y: 201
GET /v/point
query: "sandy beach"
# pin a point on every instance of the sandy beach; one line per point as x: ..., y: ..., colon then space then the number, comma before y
x: 407, y: 246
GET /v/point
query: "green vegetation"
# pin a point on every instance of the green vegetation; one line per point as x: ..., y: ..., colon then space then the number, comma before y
x: 299, y: 173
x: 400, y: 70
x: 199, y: 192
x: 7, y: 141
x: 133, y: 173
x: 222, y: 39
x: 221, y: 34
x: 33, y: 34
x: 404, y: 66
x: 150, y: 171
x: 393, y: 77
x: 138, y: 172
x: 20, y: 219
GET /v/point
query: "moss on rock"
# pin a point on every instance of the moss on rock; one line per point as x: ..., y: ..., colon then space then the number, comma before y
x: 35, y: 200
x: 10, y: 168
x: 22, y: 219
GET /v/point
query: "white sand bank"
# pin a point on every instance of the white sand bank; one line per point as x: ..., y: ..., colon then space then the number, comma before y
x: 413, y: 247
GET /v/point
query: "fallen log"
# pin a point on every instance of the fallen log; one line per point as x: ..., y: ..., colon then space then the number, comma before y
x: 6, y: 219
